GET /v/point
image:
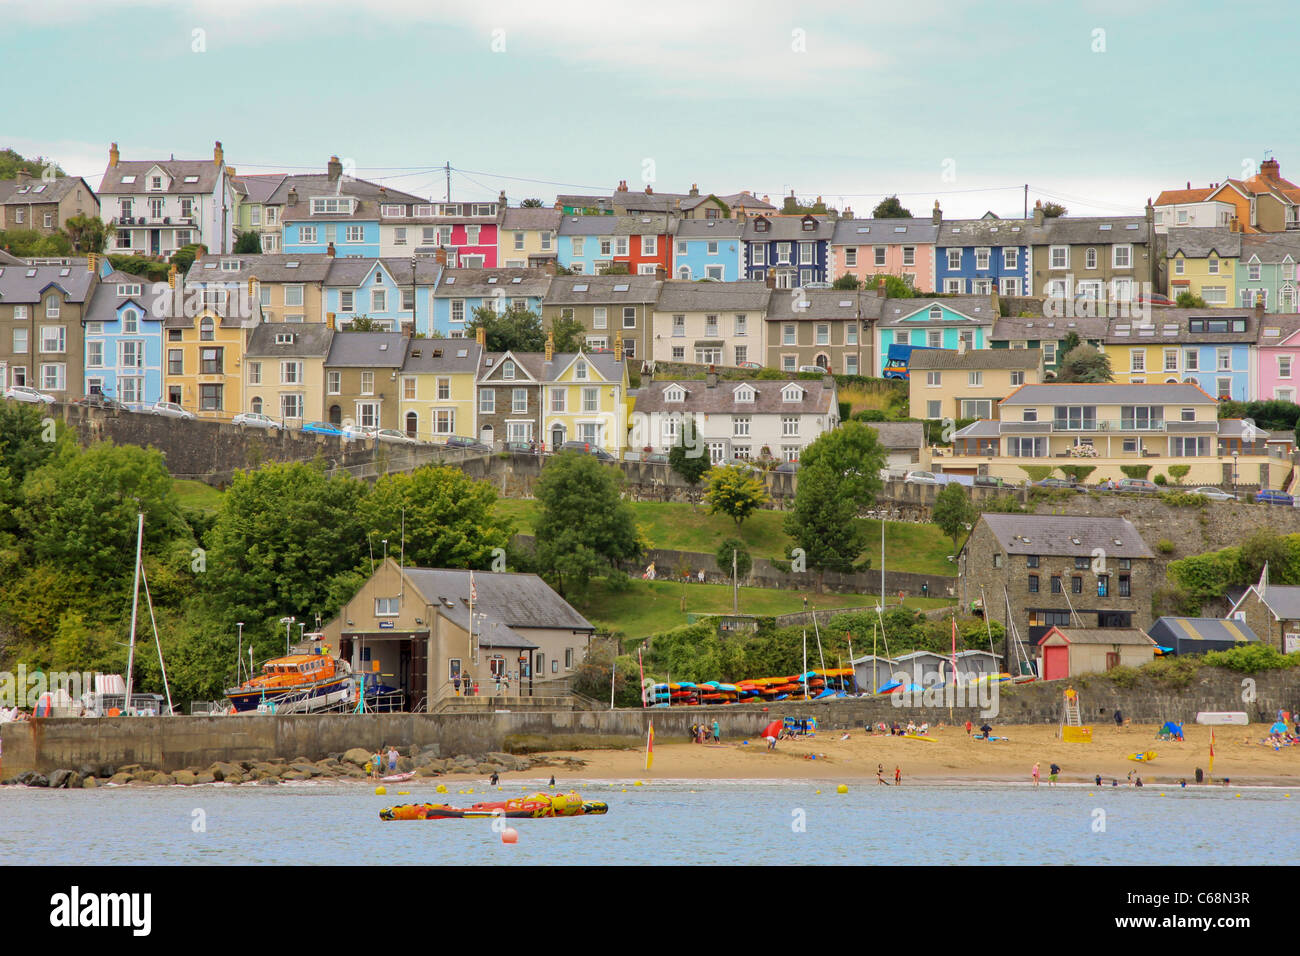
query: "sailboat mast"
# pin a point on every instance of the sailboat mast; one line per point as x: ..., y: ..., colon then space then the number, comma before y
x: 135, y: 603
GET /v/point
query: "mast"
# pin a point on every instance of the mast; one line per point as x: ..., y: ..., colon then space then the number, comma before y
x: 135, y: 603
x: 805, y: 663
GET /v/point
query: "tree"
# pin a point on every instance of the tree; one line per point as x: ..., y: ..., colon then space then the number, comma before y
x: 1084, y: 364
x: 736, y: 491
x: 1068, y: 344
x: 248, y: 243
x: 890, y: 208
x: 364, y: 323
x: 896, y: 287
x: 688, y: 458
x: 744, y: 562
x: 28, y: 243
x: 583, y: 526
x: 1053, y: 210
x: 450, y: 518
x: 517, y: 330
x: 13, y: 162
x: 184, y: 257
x: 87, y: 233
x: 531, y: 204
x: 1190, y: 300
x: 568, y: 334
x: 954, y: 513
x: 847, y: 282
x: 855, y: 456
x: 1179, y: 472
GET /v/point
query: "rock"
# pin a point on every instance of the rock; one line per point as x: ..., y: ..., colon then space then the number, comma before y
x: 404, y: 764
x: 186, y: 778
x: 90, y: 783
x: 38, y: 780
x: 354, y: 772
x: 433, y: 750
x: 357, y: 756
x: 427, y: 771
x: 130, y: 768
x: 91, y: 770
x: 269, y: 780
x: 74, y: 781
x: 164, y: 779
x: 220, y: 771
x: 204, y: 777
x: 304, y: 766
x: 59, y: 779
x: 234, y: 777
x: 296, y: 775
x: 140, y: 782
x: 120, y: 778
x: 486, y: 768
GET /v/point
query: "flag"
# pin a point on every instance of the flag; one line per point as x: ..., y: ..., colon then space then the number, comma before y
x: 473, y: 589
x: 650, y: 746
x: 1211, y: 751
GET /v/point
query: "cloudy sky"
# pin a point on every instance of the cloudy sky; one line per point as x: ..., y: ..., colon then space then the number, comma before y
x: 1096, y: 105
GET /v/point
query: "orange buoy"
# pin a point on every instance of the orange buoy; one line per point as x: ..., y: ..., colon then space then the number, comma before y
x: 509, y: 835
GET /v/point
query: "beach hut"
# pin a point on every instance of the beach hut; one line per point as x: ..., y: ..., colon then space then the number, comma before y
x: 1070, y: 651
x: 924, y: 668
x: 1196, y: 635
x: 974, y: 664
x: 872, y: 671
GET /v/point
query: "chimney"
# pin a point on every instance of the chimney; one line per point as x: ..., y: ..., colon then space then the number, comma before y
x: 1234, y: 224
x: 230, y: 171
x: 1038, y: 212
x: 501, y: 199
x: 90, y: 263
x: 1270, y: 170
x: 113, y: 155
x: 171, y: 275
x: 649, y: 190
x: 335, y: 169
x: 848, y: 212
x: 1259, y: 305
x: 329, y: 250
x: 218, y: 154
x: 769, y: 279
x: 480, y: 336
x: 936, y: 217
x: 440, y: 256
x: 23, y: 176
x: 695, y: 189
x: 661, y: 273
x: 618, y: 346
x: 880, y: 288
x: 551, y: 267
x: 550, y: 346
x: 329, y: 321
x: 622, y: 186
x: 1189, y: 184
x: 994, y: 300
x: 711, y: 379
x: 293, y: 196
x: 767, y: 199
x: 1150, y: 214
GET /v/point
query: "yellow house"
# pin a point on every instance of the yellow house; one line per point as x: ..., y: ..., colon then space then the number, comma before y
x: 284, y: 371
x: 1203, y: 261
x: 1111, y: 431
x: 527, y: 237
x: 585, y: 399
x: 437, y: 395
x: 206, y: 333
x: 943, y: 383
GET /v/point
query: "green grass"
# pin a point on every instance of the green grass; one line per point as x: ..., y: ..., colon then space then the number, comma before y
x: 651, y: 607
x: 196, y: 495
x: 921, y: 548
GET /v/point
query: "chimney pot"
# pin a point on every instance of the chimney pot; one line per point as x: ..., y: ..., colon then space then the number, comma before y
x: 936, y: 217
x: 880, y: 288
x: 329, y: 250
x: 649, y: 190
x: 334, y: 168
x: 711, y: 378
x: 113, y: 155
x: 769, y: 279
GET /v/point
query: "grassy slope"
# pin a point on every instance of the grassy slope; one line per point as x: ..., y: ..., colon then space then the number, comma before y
x: 196, y: 495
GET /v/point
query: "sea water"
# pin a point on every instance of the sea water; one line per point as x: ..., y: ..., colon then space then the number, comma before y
x: 681, y: 822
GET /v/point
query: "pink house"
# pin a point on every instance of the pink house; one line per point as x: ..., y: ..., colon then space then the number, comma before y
x: 900, y: 247
x: 1277, y: 358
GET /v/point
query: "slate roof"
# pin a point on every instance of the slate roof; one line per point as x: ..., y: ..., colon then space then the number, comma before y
x: 456, y: 283
x: 1091, y: 230
x: 1197, y: 242
x: 818, y: 398
x: 985, y: 232
x: 310, y: 339
x: 258, y: 188
x: 308, y: 185
x: 266, y: 266
x: 353, y: 270
x: 679, y: 295
x: 206, y: 171
x: 1107, y: 393
x: 823, y: 304
x: 516, y: 600
x: 719, y: 229
x: 1172, y: 325
x: 531, y: 217
x: 1056, y: 535
x: 899, y: 434
x: 976, y: 359
x: 978, y: 307
x: 14, y: 193
x: 26, y: 283
x: 578, y: 290
x: 104, y: 301
x: 884, y: 232
x: 1102, y: 635
x: 648, y: 225
x: 1283, y: 601
x: 1271, y: 248
x: 442, y: 355
x: 787, y: 229
x: 367, y: 350
x: 1015, y: 328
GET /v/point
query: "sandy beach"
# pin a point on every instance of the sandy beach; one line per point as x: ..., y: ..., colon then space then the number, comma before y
x: 954, y: 757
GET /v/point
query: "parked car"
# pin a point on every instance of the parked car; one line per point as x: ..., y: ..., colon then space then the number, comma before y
x: 520, y: 447
x: 1067, y: 483
x: 168, y: 410
x: 750, y: 365
x: 1214, y: 494
x: 395, y: 436
x: 100, y: 400
x: 656, y: 458
x: 323, y: 428
x: 812, y: 368
x: 21, y: 393
x: 987, y: 481
x: 255, y: 420
x: 1272, y: 497
x: 921, y: 478
x: 1137, y: 486
x: 467, y: 444
x: 586, y: 449
x: 359, y: 432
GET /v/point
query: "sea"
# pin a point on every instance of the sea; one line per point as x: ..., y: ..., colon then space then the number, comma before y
x: 658, y: 823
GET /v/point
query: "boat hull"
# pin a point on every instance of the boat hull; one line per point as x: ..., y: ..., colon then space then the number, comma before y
x: 294, y: 700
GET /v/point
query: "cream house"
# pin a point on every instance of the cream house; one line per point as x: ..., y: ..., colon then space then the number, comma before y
x: 710, y: 323
x: 966, y: 383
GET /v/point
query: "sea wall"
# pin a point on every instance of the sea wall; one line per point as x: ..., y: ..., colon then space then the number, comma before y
x: 172, y: 743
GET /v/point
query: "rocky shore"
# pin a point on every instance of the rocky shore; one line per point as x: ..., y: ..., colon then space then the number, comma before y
x: 353, y: 764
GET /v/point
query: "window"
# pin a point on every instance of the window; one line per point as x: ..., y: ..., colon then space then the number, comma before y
x: 487, y: 401
x: 909, y: 255
x: 1137, y: 359
x: 591, y: 399
x: 1122, y: 257
x: 823, y: 333
x: 378, y: 300
x: 1090, y: 259
x: 1125, y: 585
x: 1103, y: 585
x: 333, y: 382
x: 94, y: 350
x: 130, y: 355
x: 557, y: 399
x: 934, y: 409
x: 1017, y: 379
x: 207, y: 330
x: 1076, y: 584
x: 1056, y: 584
x: 1284, y: 366
x: 52, y: 307
x: 210, y: 398
x: 53, y: 377
x: 54, y: 338
x: 210, y: 361
x: 1213, y: 266
x: 1191, y: 360
x: 387, y: 607
x: 1011, y: 259
x: 1031, y: 560
x: 789, y: 426
x: 975, y: 379
x: 954, y: 259
x: 176, y: 363
x: 291, y: 405
x: 982, y: 258
x: 518, y: 401
x: 367, y: 383
x: 1059, y: 257
x: 629, y: 317
x: 307, y: 235
x: 444, y: 421
x: 1033, y: 584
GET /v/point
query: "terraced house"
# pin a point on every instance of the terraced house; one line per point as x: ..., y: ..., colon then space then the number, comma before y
x: 585, y: 398
x: 1267, y: 272
x: 710, y: 323
x: 529, y: 237
x: 437, y: 398
x: 1264, y: 203
x: 617, y: 311
x: 509, y: 397
x: 338, y: 212
x: 1211, y: 348
x: 254, y: 211
x: 396, y: 293
x: 459, y: 293
x: 824, y: 329
x: 205, y: 338
x: 46, y: 204
x: 42, y: 313
x: 970, y: 383
x: 464, y: 234
x: 124, y: 340
x: 863, y: 248
x: 284, y: 371
x: 1047, y: 334
x: 1106, y: 260
x: 1203, y: 261
x: 361, y: 378
x: 981, y: 256
x: 708, y: 249
x: 953, y: 323
x: 158, y: 206
x: 1106, y: 427
x: 1277, y: 358
x: 589, y: 245
x: 794, y: 250
x: 287, y: 288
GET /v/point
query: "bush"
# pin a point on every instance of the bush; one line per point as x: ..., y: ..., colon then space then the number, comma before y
x: 618, y: 581
x: 1125, y: 677
x: 1135, y: 471
x: 1183, y: 499
x: 1251, y: 658
x: 1165, y: 546
x: 1160, y: 479
x: 1037, y: 472
x: 1179, y: 472
x: 1173, y: 672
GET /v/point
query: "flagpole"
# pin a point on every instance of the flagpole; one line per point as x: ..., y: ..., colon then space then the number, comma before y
x: 650, y: 745
x: 641, y: 665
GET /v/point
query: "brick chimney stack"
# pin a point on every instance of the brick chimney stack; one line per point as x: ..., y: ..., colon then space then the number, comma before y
x: 1259, y: 305
x: 1270, y: 170
x: 335, y: 169
x: 622, y: 186
x: 880, y: 288
x: 550, y: 346
x: 23, y: 176
x: 113, y: 155
x: 440, y: 256
x: 1038, y: 212
x: 329, y: 250
x: 329, y: 321
x: 218, y: 154
x: 649, y: 190
x: 936, y: 217
x: 551, y: 267
x: 769, y: 279
x: 618, y: 347
x: 292, y: 199
x: 695, y: 189
x: 480, y: 336
x: 661, y: 273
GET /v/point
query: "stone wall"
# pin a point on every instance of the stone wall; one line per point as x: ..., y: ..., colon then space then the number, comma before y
x: 171, y: 743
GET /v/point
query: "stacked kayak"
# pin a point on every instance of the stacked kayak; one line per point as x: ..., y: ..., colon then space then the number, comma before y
x: 811, y: 685
x: 535, y: 806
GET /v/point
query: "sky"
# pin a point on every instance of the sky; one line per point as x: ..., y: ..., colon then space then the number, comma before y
x: 1095, y: 105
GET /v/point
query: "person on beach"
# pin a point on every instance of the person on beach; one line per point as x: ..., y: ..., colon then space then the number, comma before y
x: 455, y: 683
x: 1119, y: 719
x: 1034, y: 774
x: 552, y: 783
x: 968, y: 728
x: 496, y: 778
x: 717, y: 733
x: 1098, y: 780
x: 392, y: 760
x: 694, y: 732
x: 1130, y: 778
x: 771, y: 742
x: 898, y: 775
x: 1139, y: 782
x: 1183, y: 783
x: 376, y: 762
x: 1053, y: 771
x: 986, y: 730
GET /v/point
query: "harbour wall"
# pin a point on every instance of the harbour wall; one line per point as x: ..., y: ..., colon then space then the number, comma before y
x: 173, y: 743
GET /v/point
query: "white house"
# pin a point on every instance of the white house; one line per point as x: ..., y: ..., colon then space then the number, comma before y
x: 737, y: 419
x: 710, y: 323
x: 157, y: 207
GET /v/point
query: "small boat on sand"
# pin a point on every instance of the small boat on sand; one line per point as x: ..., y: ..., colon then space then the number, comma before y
x: 398, y: 777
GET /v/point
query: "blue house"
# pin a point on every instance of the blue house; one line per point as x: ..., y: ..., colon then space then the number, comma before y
x: 461, y: 291
x: 319, y: 211
x: 979, y: 256
x: 960, y: 323
x: 1210, y: 347
x: 794, y: 249
x: 124, y: 339
x: 397, y: 293
x: 708, y: 249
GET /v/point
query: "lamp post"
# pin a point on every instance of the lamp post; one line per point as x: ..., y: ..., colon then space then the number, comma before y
x: 239, y: 652
x: 1234, y: 472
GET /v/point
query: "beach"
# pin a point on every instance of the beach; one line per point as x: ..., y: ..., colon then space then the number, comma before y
x: 951, y: 756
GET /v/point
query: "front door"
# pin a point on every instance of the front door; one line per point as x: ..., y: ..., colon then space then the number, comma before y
x: 557, y: 437
x: 155, y: 241
x: 486, y: 434
x: 1056, y: 662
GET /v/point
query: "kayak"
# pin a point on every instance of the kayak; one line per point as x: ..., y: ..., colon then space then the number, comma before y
x: 928, y: 740
x: 536, y: 806
x: 398, y: 777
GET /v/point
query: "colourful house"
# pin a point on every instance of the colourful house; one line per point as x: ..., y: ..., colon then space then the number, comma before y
x: 124, y: 339
x: 585, y: 398
x: 1048, y: 334
x: 1277, y: 359
x: 863, y: 248
x: 1267, y: 270
x: 396, y: 293
x: 1208, y: 348
x: 1203, y: 261
x: 708, y: 249
x: 980, y: 256
x: 437, y: 396
x: 461, y: 292
x: 528, y: 237
x: 591, y: 244
x: 795, y: 250
x: 960, y: 322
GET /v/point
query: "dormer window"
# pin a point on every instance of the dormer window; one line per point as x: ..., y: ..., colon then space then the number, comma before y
x: 744, y: 394
x: 675, y: 394
x: 229, y: 265
x: 792, y: 393
x: 284, y: 338
x: 155, y: 182
x: 580, y: 371
x: 936, y: 313
x: 507, y: 369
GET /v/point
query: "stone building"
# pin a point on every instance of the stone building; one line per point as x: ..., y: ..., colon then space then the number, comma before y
x: 1272, y: 612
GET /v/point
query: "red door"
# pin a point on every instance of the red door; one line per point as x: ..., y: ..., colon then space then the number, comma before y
x: 1056, y: 662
